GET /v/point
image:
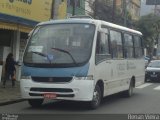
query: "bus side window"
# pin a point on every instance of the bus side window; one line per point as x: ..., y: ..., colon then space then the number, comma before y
x: 102, y: 47
x: 128, y: 46
x: 138, y: 48
x: 116, y: 44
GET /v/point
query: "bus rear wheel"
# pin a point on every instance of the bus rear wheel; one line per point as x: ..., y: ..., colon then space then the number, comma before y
x: 35, y: 102
x: 97, y: 96
x: 129, y: 92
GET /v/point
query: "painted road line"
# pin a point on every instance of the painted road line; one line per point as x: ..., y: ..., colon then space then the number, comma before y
x: 157, y: 88
x: 144, y: 85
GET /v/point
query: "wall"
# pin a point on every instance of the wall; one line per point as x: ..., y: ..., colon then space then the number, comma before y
x: 25, y: 13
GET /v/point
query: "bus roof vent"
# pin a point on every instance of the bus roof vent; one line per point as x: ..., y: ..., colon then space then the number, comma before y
x: 82, y: 16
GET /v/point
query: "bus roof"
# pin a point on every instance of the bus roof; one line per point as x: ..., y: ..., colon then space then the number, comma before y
x: 91, y: 21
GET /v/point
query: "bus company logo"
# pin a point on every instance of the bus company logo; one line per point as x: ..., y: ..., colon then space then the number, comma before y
x: 29, y: 2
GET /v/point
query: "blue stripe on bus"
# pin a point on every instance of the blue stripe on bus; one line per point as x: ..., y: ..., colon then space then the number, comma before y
x: 55, y: 72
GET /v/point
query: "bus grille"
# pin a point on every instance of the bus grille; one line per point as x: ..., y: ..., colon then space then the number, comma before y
x: 65, y: 90
x: 52, y: 79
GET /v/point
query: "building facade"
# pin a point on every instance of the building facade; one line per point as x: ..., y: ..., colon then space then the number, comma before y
x: 132, y: 7
x: 60, y: 9
x: 123, y: 12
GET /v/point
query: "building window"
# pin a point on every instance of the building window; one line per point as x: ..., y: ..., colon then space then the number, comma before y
x: 138, y: 47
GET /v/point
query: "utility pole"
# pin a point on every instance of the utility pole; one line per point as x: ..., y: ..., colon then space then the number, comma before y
x: 52, y: 9
x: 113, y: 10
x: 125, y: 12
x: 95, y: 8
x: 73, y: 5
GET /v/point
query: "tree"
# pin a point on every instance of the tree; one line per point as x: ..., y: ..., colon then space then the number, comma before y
x: 149, y: 25
x: 109, y: 12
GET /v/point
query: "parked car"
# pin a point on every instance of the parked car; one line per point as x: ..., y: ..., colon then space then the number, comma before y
x: 153, y: 71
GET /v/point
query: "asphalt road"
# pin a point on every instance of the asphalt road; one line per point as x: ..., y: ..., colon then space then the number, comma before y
x: 146, y: 100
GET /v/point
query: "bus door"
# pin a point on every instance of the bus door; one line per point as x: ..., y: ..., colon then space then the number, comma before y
x: 103, y: 59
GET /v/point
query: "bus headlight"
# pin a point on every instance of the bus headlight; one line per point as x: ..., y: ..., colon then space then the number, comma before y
x: 26, y: 77
x: 89, y: 77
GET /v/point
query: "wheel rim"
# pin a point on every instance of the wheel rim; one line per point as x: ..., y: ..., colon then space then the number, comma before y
x: 96, y: 97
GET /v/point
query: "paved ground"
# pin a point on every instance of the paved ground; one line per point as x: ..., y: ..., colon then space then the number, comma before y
x: 8, y: 94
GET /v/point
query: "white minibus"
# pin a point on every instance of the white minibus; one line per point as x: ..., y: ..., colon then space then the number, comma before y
x: 81, y: 59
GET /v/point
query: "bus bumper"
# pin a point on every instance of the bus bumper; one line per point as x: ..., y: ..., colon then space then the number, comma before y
x: 76, y: 90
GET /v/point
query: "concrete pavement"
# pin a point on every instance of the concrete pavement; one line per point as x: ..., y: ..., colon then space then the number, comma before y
x: 9, y: 95
x: 145, y: 100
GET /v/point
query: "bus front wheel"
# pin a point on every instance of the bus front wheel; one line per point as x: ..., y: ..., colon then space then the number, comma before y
x: 35, y: 102
x: 97, y: 96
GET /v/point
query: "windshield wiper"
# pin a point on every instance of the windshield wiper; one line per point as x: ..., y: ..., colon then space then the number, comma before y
x: 64, y: 51
x: 42, y: 54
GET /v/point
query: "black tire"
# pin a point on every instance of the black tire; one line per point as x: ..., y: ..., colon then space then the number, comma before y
x: 97, y: 96
x: 145, y: 79
x: 35, y: 102
x: 129, y: 92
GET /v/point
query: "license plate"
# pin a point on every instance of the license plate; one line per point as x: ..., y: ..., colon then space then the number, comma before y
x: 50, y: 95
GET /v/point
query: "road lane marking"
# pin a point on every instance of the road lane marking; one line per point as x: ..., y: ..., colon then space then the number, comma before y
x: 144, y: 85
x: 157, y: 88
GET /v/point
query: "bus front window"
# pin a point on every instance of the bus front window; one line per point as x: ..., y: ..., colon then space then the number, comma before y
x: 60, y: 45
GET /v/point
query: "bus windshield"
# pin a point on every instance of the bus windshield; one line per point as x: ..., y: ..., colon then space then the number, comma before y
x: 60, y: 45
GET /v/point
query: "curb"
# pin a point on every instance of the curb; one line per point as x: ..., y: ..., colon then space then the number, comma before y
x: 11, y: 102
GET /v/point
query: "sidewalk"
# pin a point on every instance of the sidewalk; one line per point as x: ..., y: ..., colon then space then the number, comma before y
x: 9, y: 95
